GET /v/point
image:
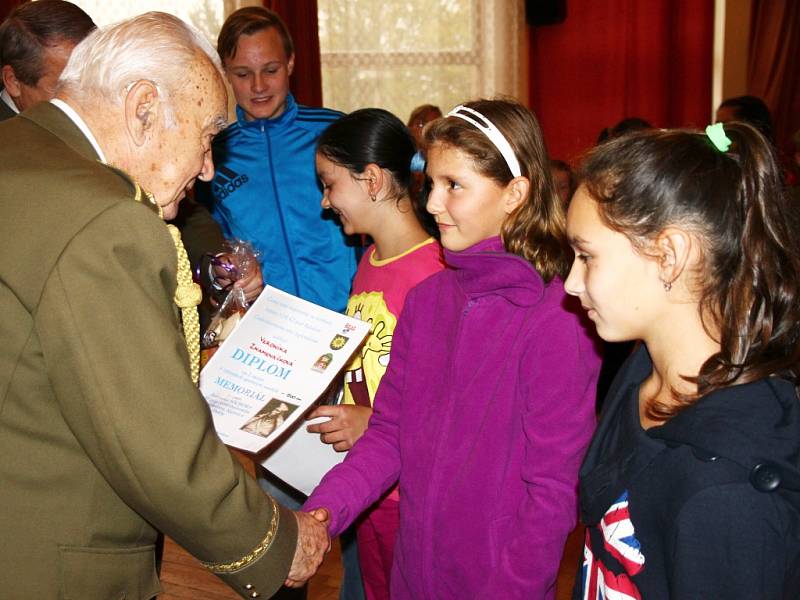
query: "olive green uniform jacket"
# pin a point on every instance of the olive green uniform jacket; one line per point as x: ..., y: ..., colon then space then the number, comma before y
x: 103, y: 437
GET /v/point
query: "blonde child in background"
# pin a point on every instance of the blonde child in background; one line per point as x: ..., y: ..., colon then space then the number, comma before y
x: 488, y: 403
x: 364, y: 164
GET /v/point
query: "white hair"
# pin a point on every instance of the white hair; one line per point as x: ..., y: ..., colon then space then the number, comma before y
x: 155, y: 47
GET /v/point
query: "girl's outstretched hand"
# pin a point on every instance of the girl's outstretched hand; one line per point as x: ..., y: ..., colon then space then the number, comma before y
x: 347, y: 423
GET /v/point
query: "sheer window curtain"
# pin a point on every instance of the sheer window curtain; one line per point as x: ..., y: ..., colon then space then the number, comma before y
x: 394, y: 54
x: 504, y: 50
x: 398, y: 55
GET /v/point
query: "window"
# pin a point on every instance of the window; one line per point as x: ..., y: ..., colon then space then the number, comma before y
x: 400, y: 54
x: 205, y: 15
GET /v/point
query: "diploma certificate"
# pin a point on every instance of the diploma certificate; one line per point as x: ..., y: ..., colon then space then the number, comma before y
x: 278, y: 361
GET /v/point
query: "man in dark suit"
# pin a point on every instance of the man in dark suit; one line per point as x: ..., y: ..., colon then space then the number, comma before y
x: 35, y: 43
x: 104, y: 437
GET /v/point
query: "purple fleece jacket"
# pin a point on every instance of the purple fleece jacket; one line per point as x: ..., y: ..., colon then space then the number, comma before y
x: 483, y: 414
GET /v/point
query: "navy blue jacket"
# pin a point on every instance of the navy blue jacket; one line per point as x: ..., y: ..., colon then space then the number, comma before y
x: 706, y: 506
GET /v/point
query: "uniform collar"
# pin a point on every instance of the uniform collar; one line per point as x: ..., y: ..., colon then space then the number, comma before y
x: 80, y: 124
x: 56, y: 121
x: 6, y: 97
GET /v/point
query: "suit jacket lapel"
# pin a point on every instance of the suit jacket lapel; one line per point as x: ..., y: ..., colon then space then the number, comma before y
x: 50, y: 117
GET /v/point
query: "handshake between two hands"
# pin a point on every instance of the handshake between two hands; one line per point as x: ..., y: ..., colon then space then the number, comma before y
x: 313, y: 542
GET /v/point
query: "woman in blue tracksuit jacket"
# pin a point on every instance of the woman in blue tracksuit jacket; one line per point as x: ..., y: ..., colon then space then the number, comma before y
x: 265, y: 191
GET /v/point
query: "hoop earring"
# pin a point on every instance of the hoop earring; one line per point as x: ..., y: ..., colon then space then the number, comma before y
x: 372, y: 196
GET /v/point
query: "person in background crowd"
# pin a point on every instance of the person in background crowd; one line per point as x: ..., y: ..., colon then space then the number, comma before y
x: 748, y: 109
x: 563, y: 180
x: 626, y: 125
x: 691, y: 485
x: 420, y: 116
x: 754, y: 111
x: 265, y: 190
x: 36, y: 41
x: 104, y: 437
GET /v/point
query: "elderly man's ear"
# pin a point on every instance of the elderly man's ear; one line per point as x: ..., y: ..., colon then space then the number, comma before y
x: 10, y: 81
x: 142, y: 103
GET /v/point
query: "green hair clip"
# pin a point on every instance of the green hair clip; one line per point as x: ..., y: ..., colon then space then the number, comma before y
x: 716, y: 134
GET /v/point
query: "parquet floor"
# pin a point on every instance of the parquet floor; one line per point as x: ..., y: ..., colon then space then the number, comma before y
x: 184, y: 578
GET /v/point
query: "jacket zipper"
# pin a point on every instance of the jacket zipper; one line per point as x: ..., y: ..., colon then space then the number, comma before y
x: 287, y: 245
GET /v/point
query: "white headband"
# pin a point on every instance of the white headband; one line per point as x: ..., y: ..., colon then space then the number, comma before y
x: 490, y: 131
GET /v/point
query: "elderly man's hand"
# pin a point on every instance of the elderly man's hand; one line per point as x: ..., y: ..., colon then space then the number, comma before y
x: 313, y: 542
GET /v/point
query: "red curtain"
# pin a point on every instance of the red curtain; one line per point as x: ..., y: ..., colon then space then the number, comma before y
x: 6, y: 6
x: 621, y: 58
x: 301, y: 19
x: 774, y: 64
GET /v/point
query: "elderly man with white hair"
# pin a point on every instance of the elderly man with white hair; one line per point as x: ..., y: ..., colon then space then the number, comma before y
x: 104, y: 437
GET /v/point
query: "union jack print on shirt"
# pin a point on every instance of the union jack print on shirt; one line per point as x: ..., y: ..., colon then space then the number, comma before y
x: 619, y: 540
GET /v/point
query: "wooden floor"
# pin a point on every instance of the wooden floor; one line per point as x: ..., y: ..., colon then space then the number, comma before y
x: 182, y: 577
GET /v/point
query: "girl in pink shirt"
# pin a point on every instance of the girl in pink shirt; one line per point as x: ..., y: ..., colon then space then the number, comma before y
x: 364, y: 163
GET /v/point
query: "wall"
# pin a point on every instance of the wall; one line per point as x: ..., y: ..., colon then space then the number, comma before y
x: 732, y: 22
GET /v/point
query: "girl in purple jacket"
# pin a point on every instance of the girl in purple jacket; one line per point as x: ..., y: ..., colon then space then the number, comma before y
x: 487, y: 405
